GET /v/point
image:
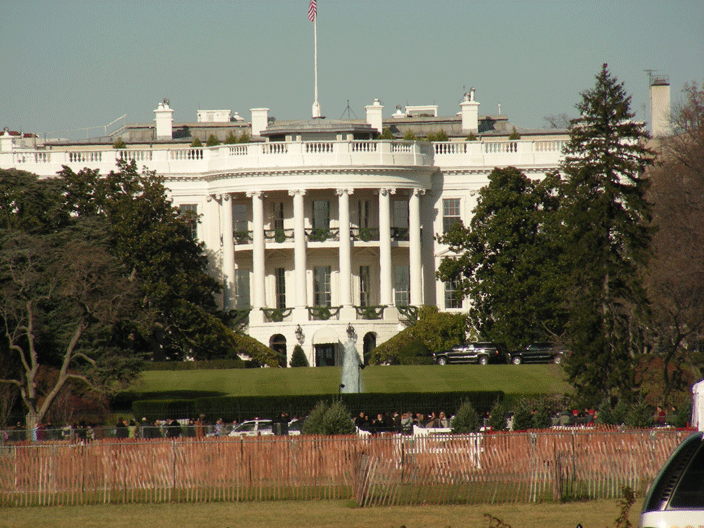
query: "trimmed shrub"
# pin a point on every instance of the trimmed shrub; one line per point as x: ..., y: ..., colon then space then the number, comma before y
x: 386, y: 134
x: 119, y: 144
x: 337, y: 420
x: 212, y: 141
x: 196, y: 142
x: 471, y: 137
x: 466, y: 419
x: 409, y: 136
x: 314, y: 422
x: 415, y: 353
x: 231, y: 139
x: 514, y: 135
x: 497, y: 417
x: 639, y: 415
x: 298, y: 357
x: 619, y: 413
x: 522, y: 418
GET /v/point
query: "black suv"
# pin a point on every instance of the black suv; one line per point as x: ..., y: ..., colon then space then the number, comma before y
x: 538, y: 353
x: 482, y: 353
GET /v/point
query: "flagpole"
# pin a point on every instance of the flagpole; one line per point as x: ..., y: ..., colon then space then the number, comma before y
x: 316, y: 104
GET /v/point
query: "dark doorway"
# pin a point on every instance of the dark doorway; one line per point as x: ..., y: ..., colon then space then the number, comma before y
x: 278, y: 344
x: 325, y: 355
x: 369, y: 345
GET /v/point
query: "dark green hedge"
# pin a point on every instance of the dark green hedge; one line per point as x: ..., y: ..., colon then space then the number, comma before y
x: 247, y: 407
x: 162, y: 409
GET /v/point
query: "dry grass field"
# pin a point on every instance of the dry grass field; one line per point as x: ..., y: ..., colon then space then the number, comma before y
x: 316, y: 514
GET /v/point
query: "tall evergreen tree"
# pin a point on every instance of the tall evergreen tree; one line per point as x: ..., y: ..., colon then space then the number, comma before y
x: 606, y: 239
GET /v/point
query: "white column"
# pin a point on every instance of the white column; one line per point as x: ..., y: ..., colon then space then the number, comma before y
x: 414, y: 256
x: 258, y: 271
x: 228, y: 253
x: 299, y: 237
x: 345, y: 254
x: 385, y: 283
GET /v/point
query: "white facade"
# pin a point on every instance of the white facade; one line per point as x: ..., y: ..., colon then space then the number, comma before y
x: 316, y: 233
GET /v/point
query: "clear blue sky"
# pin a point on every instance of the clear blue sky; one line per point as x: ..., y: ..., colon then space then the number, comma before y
x: 69, y: 64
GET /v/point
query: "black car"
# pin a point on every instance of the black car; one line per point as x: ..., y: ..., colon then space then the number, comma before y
x: 538, y: 353
x: 482, y: 353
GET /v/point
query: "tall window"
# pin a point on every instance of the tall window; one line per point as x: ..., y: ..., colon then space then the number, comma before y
x: 364, y: 286
x: 400, y: 227
x: 190, y: 212
x: 321, y: 214
x: 450, y: 213
x: 401, y: 285
x: 278, y: 215
x: 363, y: 213
x: 280, y: 288
x: 240, y: 221
x: 451, y: 300
x: 322, y: 293
x: 242, y: 289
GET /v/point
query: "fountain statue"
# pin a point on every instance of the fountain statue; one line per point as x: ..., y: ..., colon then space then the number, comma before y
x: 351, y: 370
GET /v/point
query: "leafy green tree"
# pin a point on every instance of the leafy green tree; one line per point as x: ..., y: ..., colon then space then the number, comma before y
x: 151, y: 240
x: 243, y: 138
x: 409, y: 136
x: 298, y: 357
x: 66, y: 303
x: 606, y: 237
x: 466, y: 419
x: 506, y: 261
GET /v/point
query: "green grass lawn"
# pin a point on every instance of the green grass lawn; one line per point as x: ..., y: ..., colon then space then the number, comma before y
x: 512, y: 379
x: 317, y: 514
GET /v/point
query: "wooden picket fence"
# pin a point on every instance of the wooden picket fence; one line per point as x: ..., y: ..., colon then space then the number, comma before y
x: 381, y: 470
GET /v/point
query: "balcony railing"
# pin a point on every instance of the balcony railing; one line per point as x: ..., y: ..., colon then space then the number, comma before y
x: 168, y: 159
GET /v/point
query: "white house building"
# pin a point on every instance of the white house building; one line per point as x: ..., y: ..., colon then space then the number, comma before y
x: 318, y: 231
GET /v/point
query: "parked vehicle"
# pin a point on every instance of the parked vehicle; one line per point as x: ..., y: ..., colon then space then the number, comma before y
x: 538, y: 353
x: 256, y: 427
x: 482, y: 353
x: 676, y: 496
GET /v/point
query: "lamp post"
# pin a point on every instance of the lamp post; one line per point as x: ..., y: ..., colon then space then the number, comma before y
x: 299, y: 335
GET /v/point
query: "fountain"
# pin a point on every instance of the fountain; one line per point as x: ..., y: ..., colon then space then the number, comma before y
x: 351, y: 381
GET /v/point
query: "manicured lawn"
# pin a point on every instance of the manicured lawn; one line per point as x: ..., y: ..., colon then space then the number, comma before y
x: 316, y: 514
x: 512, y: 379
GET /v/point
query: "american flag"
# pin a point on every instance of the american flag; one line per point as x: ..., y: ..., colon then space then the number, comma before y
x: 312, y: 10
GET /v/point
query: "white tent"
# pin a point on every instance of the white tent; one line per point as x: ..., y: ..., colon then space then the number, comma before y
x: 698, y: 405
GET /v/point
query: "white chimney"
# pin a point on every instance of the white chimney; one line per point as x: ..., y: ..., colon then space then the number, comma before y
x: 374, y: 115
x: 260, y: 120
x: 659, y: 105
x: 470, y: 112
x: 6, y: 142
x: 164, y: 121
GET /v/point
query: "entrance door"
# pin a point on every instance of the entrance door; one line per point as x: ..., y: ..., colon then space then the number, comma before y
x: 325, y: 355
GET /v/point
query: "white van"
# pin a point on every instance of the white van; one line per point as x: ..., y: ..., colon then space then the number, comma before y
x: 676, y: 496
